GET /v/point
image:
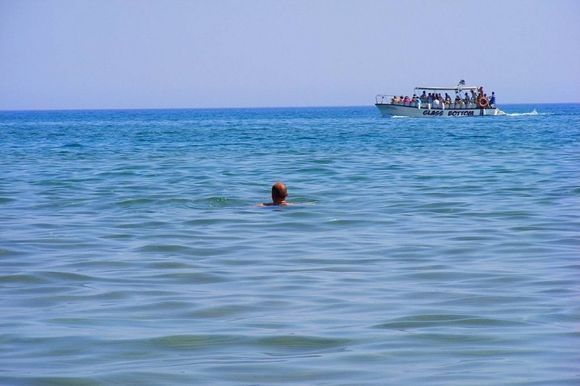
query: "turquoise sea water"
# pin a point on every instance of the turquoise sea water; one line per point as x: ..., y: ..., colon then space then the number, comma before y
x: 418, y: 251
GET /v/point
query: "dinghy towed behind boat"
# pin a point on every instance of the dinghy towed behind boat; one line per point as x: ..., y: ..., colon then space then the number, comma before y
x: 474, y: 104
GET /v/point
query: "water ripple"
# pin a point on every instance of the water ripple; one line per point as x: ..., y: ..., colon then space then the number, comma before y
x: 440, y: 252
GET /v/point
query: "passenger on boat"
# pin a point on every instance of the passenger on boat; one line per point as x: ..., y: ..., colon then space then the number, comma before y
x: 466, y: 99
x: 447, y: 100
x: 480, y: 95
x: 492, y: 99
x: 407, y: 100
x: 473, y: 96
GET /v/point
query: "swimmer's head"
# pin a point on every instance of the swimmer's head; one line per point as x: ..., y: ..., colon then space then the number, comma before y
x: 279, y: 193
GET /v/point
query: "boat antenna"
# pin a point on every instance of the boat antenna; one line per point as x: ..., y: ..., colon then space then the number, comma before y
x: 460, y: 86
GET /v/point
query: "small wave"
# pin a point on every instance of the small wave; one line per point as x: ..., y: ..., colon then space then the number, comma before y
x: 165, y: 248
x: 220, y: 202
x: 190, y: 278
x: 72, y: 145
x: 6, y: 200
x: 135, y: 202
x: 189, y: 342
x: 291, y: 342
x: 21, y: 279
x: 427, y: 321
x: 5, y: 252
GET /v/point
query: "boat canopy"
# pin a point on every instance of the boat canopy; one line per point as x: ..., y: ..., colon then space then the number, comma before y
x: 455, y: 88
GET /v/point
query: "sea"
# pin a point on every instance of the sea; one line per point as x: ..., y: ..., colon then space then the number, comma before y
x: 415, y: 251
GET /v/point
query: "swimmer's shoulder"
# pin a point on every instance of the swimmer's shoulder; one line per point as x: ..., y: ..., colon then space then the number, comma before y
x: 262, y: 204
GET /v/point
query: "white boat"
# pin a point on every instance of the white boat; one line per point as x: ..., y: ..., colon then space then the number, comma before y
x: 429, y: 104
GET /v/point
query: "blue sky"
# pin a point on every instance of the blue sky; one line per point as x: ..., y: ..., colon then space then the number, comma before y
x: 74, y: 54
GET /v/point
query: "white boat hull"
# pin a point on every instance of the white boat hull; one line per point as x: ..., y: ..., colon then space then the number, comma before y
x: 390, y: 110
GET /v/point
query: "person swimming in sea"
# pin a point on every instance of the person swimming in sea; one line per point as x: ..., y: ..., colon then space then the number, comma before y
x: 279, y: 195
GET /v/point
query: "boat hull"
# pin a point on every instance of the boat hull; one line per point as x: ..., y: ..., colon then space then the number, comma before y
x: 390, y: 110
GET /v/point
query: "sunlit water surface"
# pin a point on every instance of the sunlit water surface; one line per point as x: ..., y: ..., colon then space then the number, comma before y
x: 417, y: 251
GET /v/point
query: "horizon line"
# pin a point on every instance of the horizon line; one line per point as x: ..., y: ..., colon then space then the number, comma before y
x: 234, y: 107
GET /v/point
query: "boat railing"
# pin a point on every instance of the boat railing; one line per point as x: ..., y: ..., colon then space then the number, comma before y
x: 384, y: 99
x: 389, y: 100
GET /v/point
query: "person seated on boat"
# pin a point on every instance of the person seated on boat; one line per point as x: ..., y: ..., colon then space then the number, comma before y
x: 407, y: 100
x: 457, y: 101
x: 424, y: 97
x: 395, y: 100
x: 447, y: 100
x: 468, y: 101
x: 473, y: 97
x: 492, y: 99
x: 279, y: 195
x: 442, y: 102
x: 417, y: 101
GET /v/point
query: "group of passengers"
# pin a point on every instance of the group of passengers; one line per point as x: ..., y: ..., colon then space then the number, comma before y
x: 438, y: 101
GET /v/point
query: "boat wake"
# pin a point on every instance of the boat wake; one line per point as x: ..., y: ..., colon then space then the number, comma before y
x: 531, y: 113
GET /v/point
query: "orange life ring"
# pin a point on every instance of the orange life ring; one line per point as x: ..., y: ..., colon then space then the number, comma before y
x: 482, y: 102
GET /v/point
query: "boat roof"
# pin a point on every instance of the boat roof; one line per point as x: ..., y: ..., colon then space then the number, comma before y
x: 448, y: 88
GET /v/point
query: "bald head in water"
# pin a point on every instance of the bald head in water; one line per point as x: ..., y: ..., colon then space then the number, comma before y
x: 279, y: 193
